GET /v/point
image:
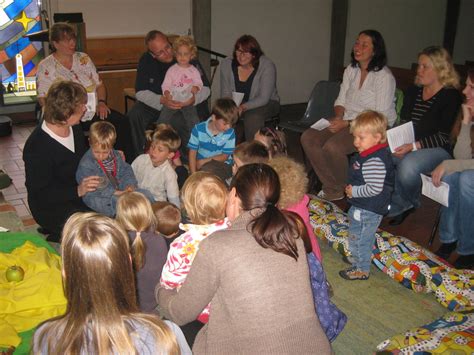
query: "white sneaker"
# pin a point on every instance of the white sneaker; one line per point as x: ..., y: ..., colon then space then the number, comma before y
x: 323, y: 195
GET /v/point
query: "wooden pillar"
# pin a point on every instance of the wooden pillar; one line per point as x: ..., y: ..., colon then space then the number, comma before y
x: 338, y: 37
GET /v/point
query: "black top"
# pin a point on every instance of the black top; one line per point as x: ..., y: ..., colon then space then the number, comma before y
x: 243, y: 86
x: 432, y: 119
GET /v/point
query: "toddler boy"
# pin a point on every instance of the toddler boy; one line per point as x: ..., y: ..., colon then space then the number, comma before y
x: 168, y: 219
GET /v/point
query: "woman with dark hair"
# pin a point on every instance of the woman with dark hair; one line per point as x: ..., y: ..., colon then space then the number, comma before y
x: 252, y: 74
x: 432, y: 104
x: 367, y: 84
x: 256, y: 275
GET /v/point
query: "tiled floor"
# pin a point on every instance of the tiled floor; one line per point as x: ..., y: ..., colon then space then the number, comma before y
x: 11, y: 149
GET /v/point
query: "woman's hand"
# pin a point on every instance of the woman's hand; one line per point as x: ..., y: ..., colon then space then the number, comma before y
x: 103, y: 110
x: 336, y: 124
x: 467, y: 113
x: 437, y: 174
x: 88, y: 184
x: 403, y: 149
x: 174, y: 105
x: 189, y: 102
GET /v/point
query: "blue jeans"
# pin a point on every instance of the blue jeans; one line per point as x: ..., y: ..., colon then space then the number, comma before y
x: 362, y: 227
x: 407, y: 177
x: 457, y: 220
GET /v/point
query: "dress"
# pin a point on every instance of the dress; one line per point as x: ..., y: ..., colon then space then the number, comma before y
x: 261, y: 300
x: 263, y: 102
x: 432, y: 130
x: 50, y: 170
x: 103, y: 199
x: 150, y: 76
x: 161, y: 181
x: 182, y: 253
x: 326, y: 151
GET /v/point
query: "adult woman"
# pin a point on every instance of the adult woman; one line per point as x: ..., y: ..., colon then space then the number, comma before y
x: 455, y: 228
x: 253, y: 74
x: 256, y: 275
x: 367, y: 85
x: 67, y: 64
x: 102, y: 314
x: 52, y: 154
x: 432, y: 105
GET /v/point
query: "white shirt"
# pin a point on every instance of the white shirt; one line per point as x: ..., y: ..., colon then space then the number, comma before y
x: 161, y: 181
x: 377, y: 93
x: 67, y: 142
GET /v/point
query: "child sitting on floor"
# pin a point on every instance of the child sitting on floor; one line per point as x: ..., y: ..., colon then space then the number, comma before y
x: 149, y: 250
x: 168, y: 219
x: 249, y: 153
x: 116, y: 175
x: 273, y: 139
x: 371, y: 180
x: 154, y: 171
x: 294, y: 184
x: 204, y: 197
x: 212, y: 142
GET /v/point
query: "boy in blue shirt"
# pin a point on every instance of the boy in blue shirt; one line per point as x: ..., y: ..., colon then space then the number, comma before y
x: 212, y: 142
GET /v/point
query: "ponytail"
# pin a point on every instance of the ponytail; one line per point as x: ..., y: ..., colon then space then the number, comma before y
x: 138, y: 252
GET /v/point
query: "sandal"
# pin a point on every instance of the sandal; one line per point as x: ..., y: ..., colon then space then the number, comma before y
x: 354, y: 274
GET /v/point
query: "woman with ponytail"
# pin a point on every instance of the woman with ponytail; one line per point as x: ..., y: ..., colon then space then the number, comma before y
x: 149, y: 250
x: 256, y: 275
x: 102, y: 316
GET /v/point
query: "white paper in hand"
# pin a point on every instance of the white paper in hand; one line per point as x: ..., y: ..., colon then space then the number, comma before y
x: 400, y: 135
x: 321, y: 124
x: 439, y: 194
x: 91, y: 106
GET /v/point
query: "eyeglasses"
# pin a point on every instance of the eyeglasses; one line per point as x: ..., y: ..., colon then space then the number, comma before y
x: 241, y: 52
x: 162, y: 52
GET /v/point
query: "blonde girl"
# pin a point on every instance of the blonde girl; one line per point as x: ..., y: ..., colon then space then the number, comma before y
x: 135, y: 215
x: 102, y: 315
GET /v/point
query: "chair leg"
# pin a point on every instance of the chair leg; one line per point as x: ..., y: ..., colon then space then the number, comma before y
x: 435, y: 227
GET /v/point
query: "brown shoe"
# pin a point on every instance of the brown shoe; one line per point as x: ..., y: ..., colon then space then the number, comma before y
x: 354, y: 274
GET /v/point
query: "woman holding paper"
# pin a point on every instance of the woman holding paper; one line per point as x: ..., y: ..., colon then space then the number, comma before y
x: 251, y: 73
x: 367, y: 84
x: 432, y: 106
x: 455, y: 228
x: 65, y: 63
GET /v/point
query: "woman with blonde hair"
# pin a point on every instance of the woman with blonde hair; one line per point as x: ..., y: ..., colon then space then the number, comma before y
x: 432, y: 105
x: 102, y: 315
x: 149, y: 250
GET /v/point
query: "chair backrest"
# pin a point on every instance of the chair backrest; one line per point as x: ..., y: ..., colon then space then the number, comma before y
x: 321, y: 101
x: 398, y: 105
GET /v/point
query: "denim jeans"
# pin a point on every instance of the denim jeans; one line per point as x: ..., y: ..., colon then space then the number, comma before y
x: 362, y: 227
x: 407, y: 177
x: 457, y: 220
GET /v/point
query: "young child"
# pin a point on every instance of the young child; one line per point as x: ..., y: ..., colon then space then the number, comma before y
x: 168, y: 219
x: 116, y: 176
x: 204, y: 197
x: 175, y: 161
x: 294, y: 184
x: 153, y: 170
x: 371, y: 180
x: 212, y: 142
x: 149, y: 249
x: 182, y: 82
x: 273, y: 139
x: 248, y: 153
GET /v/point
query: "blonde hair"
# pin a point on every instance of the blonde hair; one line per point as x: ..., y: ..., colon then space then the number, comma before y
x: 251, y: 152
x: 168, y: 217
x: 166, y: 136
x: 185, y: 41
x: 443, y: 65
x: 102, y: 134
x: 293, y: 180
x: 226, y: 109
x: 371, y: 121
x: 134, y: 213
x: 204, y: 197
x: 100, y: 289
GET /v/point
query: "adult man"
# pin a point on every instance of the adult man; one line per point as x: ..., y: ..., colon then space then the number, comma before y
x: 151, y: 72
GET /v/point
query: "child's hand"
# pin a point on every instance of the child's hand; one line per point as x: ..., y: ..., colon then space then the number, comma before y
x: 349, y: 191
x: 130, y: 188
x: 167, y: 94
x: 195, y: 90
x: 118, y: 192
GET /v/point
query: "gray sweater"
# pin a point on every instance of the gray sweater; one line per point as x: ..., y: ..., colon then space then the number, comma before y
x: 263, y: 85
x: 261, y: 300
x: 462, y: 152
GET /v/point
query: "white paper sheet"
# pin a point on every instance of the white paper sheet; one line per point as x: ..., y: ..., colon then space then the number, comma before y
x: 91, y: 106
x: 400, y: 135
x: 237, y: 97
x: 321, y: 124
x: 439, y: 194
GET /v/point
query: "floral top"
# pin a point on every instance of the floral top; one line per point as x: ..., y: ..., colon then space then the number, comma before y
x: 83, y: 71
x: 181, y: 255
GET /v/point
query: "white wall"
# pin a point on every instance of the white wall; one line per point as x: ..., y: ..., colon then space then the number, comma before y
x: 464, y: 45
x: 407, y: 26
x: 295, y: 35
x: 105, y: 18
